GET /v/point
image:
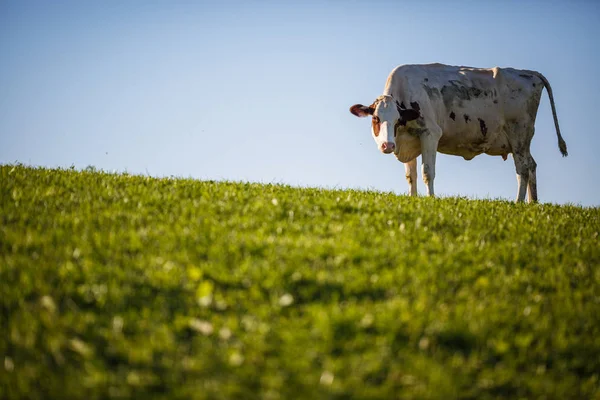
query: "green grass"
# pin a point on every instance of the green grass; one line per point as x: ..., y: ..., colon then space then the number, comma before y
x: 116, y: 286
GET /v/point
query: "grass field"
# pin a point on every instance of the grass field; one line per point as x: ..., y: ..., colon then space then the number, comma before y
x: 115, y: 286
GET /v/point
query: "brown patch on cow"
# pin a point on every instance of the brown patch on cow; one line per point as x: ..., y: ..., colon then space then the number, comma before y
x: 504, y: 156
x: 415, y: 106
x: 376, y: 125
x: 453, y: 116
x: 482, y: 127
x: 466, y: 117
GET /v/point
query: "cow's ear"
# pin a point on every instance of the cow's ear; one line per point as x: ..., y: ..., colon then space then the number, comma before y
x: 361, y: 111
x: 409, y: 115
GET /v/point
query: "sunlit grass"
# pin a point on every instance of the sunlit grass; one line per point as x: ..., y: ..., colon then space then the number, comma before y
x: 118, y: 286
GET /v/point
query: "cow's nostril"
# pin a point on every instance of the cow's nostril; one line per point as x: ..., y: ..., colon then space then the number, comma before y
x: 388, y: 146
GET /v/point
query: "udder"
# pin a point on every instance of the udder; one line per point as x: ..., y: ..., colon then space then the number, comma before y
x: 499, y: 146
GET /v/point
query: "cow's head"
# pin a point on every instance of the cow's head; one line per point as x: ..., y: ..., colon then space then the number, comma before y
x: 387, y: 114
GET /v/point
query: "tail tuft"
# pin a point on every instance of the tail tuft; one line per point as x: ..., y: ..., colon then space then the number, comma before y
x: 563, y: 147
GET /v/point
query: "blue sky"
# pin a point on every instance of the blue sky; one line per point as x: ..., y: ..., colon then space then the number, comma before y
x: 260, y: 90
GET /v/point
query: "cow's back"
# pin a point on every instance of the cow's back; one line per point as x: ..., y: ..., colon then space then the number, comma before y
x: 497, y: 91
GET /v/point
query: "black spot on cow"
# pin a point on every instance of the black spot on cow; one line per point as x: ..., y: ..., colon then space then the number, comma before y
x: 533, y: 84
x: 400, y: 123
x: 408, y: 115
x: 525, y: 76
x: 466, y: 117
x: 495, y: 101
x: 415, y: 106
x: 453, y: 116
x: 482, y: 127
x: 426, y: 79
x: 518, y: 153
x: 416, y: 131
x: 454, y: 92
x: 432, y: 92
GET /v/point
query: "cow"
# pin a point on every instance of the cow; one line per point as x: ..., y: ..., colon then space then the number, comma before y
x: 462, y: 111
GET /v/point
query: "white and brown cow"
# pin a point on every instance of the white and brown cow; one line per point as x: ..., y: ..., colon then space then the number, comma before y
x: 461, y: 111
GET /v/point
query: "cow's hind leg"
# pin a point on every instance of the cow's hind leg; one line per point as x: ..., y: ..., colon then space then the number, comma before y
x: 526, y: 178
x: 411, y: 176
x: 520, y: 134
x: 532, y: 196
x: 522, y: 176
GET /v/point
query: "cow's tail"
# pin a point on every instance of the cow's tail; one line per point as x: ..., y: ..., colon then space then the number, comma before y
x: 561, y: 143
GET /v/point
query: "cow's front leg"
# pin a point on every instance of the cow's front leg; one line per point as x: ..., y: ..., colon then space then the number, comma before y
x: 429, y: 145
x: 411, y: 176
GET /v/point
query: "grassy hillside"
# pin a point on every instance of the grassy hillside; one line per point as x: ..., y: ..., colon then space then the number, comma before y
x: 116, y: 286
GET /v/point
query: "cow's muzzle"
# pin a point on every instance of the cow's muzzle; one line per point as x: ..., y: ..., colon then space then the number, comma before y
x: 388, y: 147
